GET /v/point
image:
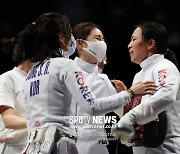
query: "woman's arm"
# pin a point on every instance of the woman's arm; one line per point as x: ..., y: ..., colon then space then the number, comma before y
x: 12, y: 121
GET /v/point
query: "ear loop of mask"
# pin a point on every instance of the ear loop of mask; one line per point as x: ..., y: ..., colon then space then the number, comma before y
x: 70, y: 50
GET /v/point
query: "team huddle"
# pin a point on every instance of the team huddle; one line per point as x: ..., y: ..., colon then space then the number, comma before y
x: 58, y: 104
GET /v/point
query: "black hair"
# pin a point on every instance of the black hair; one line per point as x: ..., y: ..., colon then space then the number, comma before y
x: 41, y: 38
x: 83, y: 29
x: 13, y: 46
x: 157, y: 32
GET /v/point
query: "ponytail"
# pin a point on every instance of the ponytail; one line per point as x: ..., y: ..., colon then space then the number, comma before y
x: 8, y: 45
x: 169, y: 54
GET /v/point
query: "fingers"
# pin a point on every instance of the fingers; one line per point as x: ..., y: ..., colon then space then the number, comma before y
x: 150, y: 87
x: 113, y: 80
x: 148, y: 82
x: 116, y: 81
x: 150, y: 92
x: 119, y: 85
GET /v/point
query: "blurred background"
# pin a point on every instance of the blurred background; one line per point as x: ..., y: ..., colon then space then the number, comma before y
x: 117, y: 18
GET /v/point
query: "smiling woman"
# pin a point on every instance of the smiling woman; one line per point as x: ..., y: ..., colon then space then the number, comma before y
x: 148, y: 48
x: 90, y: 37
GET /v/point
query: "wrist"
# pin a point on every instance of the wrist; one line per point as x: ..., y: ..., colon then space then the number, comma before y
x: 131, y: 92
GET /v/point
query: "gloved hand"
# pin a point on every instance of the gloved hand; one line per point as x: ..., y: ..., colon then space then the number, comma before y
x: 124, y: 129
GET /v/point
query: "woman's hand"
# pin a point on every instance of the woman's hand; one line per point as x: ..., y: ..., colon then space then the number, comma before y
x: 119, y: 85
x: 143, y: 88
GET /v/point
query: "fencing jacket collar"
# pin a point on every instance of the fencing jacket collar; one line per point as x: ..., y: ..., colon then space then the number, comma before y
x: 87, y: 67
x: 151, y: 60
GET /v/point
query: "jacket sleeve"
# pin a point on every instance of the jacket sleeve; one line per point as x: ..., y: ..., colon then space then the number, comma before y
x: 74, y: 80
x: 6, y: 91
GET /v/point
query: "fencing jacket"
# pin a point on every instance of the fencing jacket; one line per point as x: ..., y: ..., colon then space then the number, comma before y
x: 90, y: 127
x: 165, y: 74
x: 49, y: 87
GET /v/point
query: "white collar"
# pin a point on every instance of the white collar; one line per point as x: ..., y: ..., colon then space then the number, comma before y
x: 151, y: 60
x: 85, y: 66
x: 20, y: 71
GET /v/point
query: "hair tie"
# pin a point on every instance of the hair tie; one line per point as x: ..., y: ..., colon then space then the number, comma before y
x: 33, y: 23
x: 167, y: 50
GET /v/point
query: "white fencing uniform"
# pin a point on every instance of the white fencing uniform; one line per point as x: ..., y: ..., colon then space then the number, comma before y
x: 167, y: 77
x: 49, y: 87
x: 11, y: 94
x: 92, y: 139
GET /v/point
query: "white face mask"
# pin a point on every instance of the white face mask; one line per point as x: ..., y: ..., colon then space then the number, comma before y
x: 70, y: 50
x: 97, y: 49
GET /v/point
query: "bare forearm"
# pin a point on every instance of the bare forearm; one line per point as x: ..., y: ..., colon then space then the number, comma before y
x: 14, y: 122
x: 11, y: 120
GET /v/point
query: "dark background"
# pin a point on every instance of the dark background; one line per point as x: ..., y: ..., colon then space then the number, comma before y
x: 116, y: 17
